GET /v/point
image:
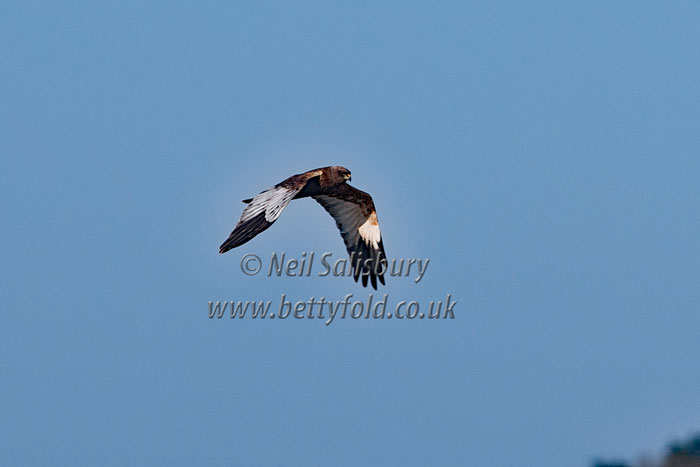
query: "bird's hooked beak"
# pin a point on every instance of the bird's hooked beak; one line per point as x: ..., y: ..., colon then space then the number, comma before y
x: 348, y: 177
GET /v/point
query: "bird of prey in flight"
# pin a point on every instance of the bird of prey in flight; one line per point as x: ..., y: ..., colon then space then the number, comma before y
x: 352, y: 209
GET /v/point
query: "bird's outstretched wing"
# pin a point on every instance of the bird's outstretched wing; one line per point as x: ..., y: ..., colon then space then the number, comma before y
x: 264, y: 209
x: 356, y: 218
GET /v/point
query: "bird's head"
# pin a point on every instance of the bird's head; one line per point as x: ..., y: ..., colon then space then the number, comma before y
x: 342, y: 174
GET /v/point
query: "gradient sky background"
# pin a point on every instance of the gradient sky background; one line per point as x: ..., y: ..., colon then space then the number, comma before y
x: 543, y: 155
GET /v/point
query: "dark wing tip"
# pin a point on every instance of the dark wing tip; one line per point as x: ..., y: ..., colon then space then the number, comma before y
x: 370, y: 264
x: 245, y: 232
x: 248, y: 201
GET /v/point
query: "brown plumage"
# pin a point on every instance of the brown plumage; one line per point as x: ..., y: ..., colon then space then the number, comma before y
x: 352, y: 209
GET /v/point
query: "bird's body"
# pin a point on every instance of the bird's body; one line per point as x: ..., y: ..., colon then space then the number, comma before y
x: 352, y: 209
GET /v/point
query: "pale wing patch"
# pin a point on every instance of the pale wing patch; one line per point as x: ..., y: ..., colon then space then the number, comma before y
x: 369, y: 231
x: 361, y: 235
x: 258, y: 215
x: 271, y: 201
x: 264, y: 209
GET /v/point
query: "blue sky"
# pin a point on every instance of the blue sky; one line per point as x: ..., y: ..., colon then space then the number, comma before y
x: 543, y: 155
